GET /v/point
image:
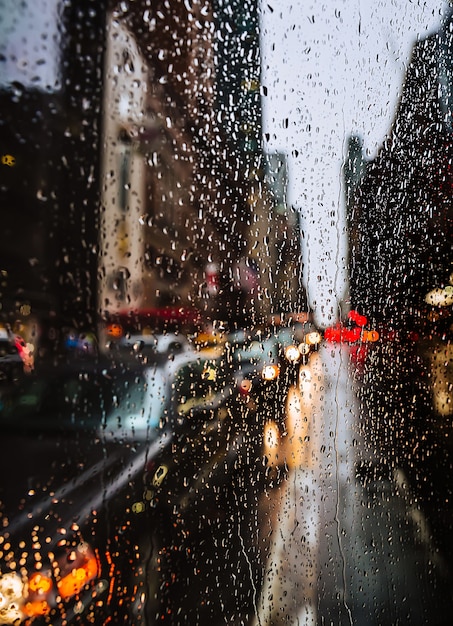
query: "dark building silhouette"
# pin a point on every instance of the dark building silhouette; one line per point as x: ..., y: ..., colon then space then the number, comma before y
x: 401, y: 211
x: 50, y: 192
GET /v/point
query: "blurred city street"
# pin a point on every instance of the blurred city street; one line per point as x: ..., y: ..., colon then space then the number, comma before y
x: 348, y: 543
x: 226, y: 313
x: 282, y: 507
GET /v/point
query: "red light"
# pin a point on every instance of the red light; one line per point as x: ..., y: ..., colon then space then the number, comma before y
x: 333, y: 333
x: 358, y: 319
x: 352, y: 334
x: 338, y: 334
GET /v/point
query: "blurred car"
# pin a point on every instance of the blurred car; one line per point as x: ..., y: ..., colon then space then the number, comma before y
x: 147, y: 347
x: 161, y: 401
x: 80, y: 441
x: 269, y: 364
x: 150, y: 326
x: 155, y: 344
x: 205, y: 433
x: 67, y: 498
x: 224, y: 402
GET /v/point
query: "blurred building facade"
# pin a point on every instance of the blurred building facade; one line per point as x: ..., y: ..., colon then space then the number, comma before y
x: 193, y: 212
x: 138, y: 179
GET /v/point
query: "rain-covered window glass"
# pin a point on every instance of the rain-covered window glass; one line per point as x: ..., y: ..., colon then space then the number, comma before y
x: 226, y: 291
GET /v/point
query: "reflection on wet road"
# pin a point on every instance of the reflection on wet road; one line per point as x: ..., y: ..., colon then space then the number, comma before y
x: 344, y: 545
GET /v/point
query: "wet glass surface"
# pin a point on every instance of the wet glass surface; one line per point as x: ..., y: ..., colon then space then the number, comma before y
x: 226, y: 290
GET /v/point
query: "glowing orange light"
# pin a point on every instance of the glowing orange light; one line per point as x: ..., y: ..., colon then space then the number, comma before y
x: 32, y: 609
x: 71, y: 584
x: 271, y: 435
x: 370, y: 335
x: 9, y: 160
x: 115, y: 330
x: 39, y: 583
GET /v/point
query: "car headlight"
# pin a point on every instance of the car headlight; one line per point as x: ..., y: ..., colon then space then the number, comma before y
x: 292, y: 354
x: 304, y: 349
x: 270, y: 372
x: 313, y: 338
x: 440, y: 296
x: 12, y: 592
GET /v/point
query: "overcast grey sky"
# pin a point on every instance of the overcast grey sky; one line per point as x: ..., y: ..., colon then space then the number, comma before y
x: 30, y: 43
x: 333, y: 68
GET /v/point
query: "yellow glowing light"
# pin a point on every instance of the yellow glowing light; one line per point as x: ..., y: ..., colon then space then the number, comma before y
x: 159, y: 475
x: 304, y: 348
x: 271, y: 435
x: 138, y: 507
x: 9, y: 160
x: 313, y: 338
x: 209, y: 373
x: 440, y: 297
x: 38, y: 583
x: 11, y: 598
x: 25, y: 310
x: 11, y: 586
x: 271, y: 443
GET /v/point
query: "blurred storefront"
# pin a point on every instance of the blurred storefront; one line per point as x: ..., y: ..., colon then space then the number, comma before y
x: 190, y: 216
